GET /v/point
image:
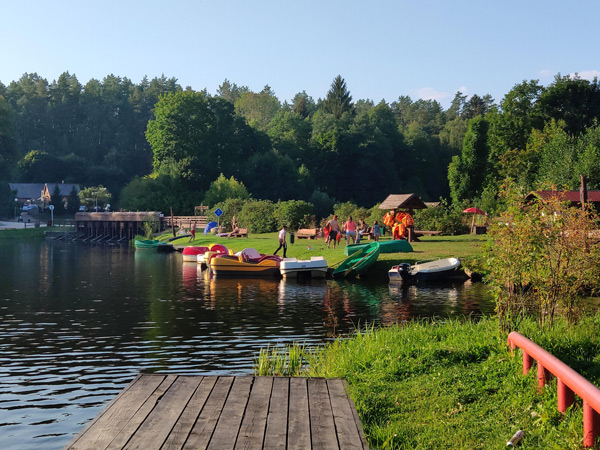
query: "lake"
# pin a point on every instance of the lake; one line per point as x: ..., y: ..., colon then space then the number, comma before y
x: 80, y: 321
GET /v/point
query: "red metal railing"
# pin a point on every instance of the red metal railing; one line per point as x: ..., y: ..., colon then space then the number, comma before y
x: 569, y: 383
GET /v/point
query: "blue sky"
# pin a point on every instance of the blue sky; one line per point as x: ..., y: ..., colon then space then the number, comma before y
x: 382, y: 48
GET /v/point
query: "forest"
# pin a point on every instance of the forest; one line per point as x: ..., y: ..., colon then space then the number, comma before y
x: 156, y: 145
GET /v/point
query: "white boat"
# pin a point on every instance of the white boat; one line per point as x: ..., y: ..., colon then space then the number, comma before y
x: 315, y: 267
x: 440, y: 269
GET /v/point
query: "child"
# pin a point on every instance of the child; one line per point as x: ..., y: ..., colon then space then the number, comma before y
x: 376, y: 231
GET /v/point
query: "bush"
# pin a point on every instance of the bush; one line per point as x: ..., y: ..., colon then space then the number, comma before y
x: 222, y: 189
x: 294, y: 213
x: 345, y: 210
x: 258, y: 216
x: 323, y: 204
x: 447, y: 219
x: 230, y: 207
x: 542, y: 257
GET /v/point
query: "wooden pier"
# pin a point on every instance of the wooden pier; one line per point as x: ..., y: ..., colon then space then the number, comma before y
x: 226, y: 412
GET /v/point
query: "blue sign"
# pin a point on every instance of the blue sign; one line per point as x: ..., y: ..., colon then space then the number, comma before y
x: 218, y: 212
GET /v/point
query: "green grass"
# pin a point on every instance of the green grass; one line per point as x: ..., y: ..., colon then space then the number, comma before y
x: 24, y: 233
x: 453, y: 385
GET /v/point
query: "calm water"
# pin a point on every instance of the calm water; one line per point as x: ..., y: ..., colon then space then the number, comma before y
x: 79, y: 322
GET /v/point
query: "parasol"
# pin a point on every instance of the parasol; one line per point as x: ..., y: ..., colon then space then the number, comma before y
x: 474, y: 211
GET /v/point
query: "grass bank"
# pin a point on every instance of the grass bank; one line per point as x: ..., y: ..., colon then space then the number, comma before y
x: 453, y: 384
x: 24, y: 233
x: 466, y: 247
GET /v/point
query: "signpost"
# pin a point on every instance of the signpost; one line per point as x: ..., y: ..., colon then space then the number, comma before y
x: 51, y: 208
x: 218, y: 213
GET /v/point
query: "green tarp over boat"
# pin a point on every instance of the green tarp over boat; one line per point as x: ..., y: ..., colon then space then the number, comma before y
x: 396, y: 246
x: 358, y: 262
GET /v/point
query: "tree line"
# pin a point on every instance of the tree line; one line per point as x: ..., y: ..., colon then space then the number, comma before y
x: 155, y: 144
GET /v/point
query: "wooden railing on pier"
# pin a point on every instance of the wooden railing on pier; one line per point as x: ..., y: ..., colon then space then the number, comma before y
x: 569, y: 383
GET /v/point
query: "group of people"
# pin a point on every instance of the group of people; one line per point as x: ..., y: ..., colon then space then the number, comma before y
x: 352, y: 231
x: 400, y: 223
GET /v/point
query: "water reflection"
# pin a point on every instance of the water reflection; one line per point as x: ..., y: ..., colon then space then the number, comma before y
x: 79, y: 322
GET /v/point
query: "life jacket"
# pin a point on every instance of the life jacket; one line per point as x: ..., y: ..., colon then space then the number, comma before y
x: 408, y: 220
x: 388, y: 219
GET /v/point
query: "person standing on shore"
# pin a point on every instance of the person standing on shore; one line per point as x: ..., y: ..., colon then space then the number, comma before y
x: 334, y: 230
x: 282, y: 241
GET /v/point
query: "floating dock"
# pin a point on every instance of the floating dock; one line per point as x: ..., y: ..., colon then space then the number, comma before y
x: 226, y: 412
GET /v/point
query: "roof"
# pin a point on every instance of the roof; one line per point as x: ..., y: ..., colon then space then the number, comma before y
x: 403, y: 201
x: 569, y: 196
x: 64, y: 188
x: 30, y: 191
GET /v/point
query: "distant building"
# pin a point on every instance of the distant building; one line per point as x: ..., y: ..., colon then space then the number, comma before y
x: 41, y: 193
x: 573, y: 197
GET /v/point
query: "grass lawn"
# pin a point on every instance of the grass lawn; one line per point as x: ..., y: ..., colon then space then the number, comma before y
x: 455, y: 385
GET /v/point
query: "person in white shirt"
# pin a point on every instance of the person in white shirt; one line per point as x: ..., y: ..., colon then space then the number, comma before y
x: 282, y: 243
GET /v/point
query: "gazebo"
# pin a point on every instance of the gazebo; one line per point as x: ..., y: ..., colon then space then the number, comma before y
x: 403, y: 201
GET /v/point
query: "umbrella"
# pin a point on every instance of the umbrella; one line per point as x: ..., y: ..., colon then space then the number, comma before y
x: 474, y: 211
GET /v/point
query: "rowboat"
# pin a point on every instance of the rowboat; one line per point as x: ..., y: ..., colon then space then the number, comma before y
x: 315, y: 267
x: 151, y: 244
x: 190, y: 253
x: 248, y: 262
x: 441, y: 269
x: 393, y: 246
x: 357, y: 263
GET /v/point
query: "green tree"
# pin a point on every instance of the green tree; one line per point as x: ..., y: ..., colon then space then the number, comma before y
x: 57, y: 201
x: 338, y: 100
x: 222, y: 189
x: 258, y: 109
x: 197, y: 137
x: 467, y: 173
x: 73, y: 202
x: 258, y: 216
x: 7, y: 139
x: 94, y: 196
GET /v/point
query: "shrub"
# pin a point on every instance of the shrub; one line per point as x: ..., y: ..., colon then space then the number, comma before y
x: 448, y: 219
x: 222, y: 189
x: 258, y: 216
x: 230, y: 207
x: 293, y: 213
x: 542, y: 257
x: 345, y: 210
x: 323, y: 204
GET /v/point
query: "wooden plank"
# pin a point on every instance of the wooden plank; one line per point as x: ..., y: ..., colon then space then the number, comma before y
x: 124, y: 434
x: 207, y: 421
x: 356, y: 419
x: 100, y: 431
x: 323, y: 435
x: 158, y: 425
x: 252, y: 431
x: 229, y: 422
x: 188, y: 418
x: 299, y: 420
x: 277, y: 419
x: 345, y: 426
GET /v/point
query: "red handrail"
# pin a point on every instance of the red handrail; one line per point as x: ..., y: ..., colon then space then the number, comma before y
x: 569, y: 383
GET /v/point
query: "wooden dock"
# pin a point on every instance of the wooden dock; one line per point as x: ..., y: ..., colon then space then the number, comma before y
x: 226, y: 412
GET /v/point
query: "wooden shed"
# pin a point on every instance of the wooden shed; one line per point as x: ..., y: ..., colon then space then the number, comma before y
x: 403, y: 201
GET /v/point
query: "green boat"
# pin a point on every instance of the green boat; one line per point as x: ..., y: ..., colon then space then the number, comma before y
x: 151, y: 244
x: 395, y: 246
x: 358, y: 262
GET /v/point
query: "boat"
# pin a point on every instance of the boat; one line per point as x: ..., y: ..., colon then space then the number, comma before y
x: 441, y: 269
x: 248, y: 262
x: 357, y: 263
x: 152, y: 244
x: 315, y: 267
x: 213, y: 249
x: 190, y: 253
x: 393, y: 246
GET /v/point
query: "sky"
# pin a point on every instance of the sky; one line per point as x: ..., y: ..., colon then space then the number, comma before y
x: 383, y: 49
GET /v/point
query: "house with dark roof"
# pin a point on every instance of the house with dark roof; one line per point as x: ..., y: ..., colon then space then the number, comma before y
x: 41, y: 193
x: 403, y: 201
x: 573, y: 197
